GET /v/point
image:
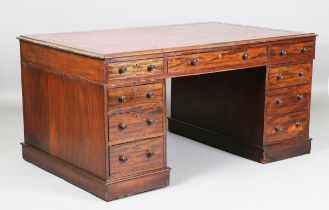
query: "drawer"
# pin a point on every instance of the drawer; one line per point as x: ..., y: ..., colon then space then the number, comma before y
x: 288, y: 99
x: 287, y: 126
x: 284, y: 76
x: 135, y: 125
x: 135, y: 68
x: 136, y: 157
x: 301, y: 50
x: 134, y: 96
x: 217, y: 59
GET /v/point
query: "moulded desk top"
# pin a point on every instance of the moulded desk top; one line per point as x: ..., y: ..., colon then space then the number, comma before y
x: 160, y: 39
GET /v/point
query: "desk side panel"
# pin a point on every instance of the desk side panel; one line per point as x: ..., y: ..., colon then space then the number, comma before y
x: 64, y: 117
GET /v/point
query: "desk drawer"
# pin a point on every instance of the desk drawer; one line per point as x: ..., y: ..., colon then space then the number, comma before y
x: 287, y: 100
x: 217, y: 59
x: 134, y: 96
x: 135, y: 125
x: 284, y: 76
x: 301, y: 50
x: 136, y: 157
x: 287, y: 126
x: 134, y: 68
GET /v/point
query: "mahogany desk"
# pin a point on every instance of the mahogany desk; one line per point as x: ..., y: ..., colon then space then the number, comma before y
x: 95, y: 102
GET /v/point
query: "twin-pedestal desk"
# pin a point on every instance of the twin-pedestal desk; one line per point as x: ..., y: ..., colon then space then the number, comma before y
x: 95, y: 102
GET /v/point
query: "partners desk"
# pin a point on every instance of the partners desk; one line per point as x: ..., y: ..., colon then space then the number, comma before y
x: 94, y: 103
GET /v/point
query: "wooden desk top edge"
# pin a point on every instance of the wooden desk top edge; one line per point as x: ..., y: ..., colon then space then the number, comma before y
x: 284, y: 35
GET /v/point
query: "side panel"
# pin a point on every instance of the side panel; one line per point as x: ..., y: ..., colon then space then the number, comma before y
x: 64, y: 117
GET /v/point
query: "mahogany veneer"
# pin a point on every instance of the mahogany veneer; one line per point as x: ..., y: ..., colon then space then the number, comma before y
x: 95, y: 102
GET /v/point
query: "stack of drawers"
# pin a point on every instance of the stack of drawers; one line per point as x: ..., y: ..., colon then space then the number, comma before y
x: 289, y: 92
x: 136, y: 116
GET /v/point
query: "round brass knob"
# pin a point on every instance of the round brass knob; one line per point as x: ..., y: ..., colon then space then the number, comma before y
x: 123, y: 126
x: 279, y: 77
x: 123, y: 158
x: 300, y: 97
x: 298, y: 124
x: 122, y: 99
x: 277, y: 128
x: 303, y: 50
x: 150, y: 153
x: 123, y: 69
x: 278, y: 101
x: 283, y: 52
x: 150, y: 94
x: 194, y: 62
x: 301, y: 73
x: 245, y: 56
x: 150, y: 122
x: 151, y: 67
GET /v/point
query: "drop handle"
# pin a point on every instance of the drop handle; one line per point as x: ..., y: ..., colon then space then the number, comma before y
x: 123, y: 69
x: 194, y: 62
x: 123, y: 158
x: 300, y: 97
x: 150, y: 153
x: 150, y: 122
x: 150, y: 94
x: 277, y: 128
x: 283, y: 52
x: 123, y: 126
x: 122, y: 99
x: 151, y: 67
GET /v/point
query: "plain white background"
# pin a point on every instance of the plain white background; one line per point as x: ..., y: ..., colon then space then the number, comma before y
x: 202, y: 177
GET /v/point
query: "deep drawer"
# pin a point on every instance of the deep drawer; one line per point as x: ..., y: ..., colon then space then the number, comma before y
x: 289, y: 75
x: 135, y: 125
x: 286, y: 51
x: 287, y: 100
x: 217, y: 59
x: 287, y: 126
x: 136, y: 157
x: 135, y: 68
x: 120, y: 99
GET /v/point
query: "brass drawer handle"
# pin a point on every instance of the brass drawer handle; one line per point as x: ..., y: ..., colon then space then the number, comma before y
x: 278, y: 101
x: 123, y: 126
x: 277, y: 128
x: 194, y: 62
x: 122, y: 99
x: 298, y: 124
x: 283, y: 52
x: 123, y: 158
x: 150, y: 122
x: 301, y: 73
x: 300, y: 97
x: 151, y: 67
x: 279, y: 77
x: 123, y: 69
x: 303, y: 50
x: 150, y: 153
x: 245, y: 56
x: 150, y: 94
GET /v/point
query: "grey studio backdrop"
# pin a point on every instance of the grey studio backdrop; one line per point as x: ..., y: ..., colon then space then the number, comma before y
x: 202, y: 177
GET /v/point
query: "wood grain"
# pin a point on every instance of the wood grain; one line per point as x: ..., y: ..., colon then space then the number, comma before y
x: 137, y: 161
x: 293, y: 51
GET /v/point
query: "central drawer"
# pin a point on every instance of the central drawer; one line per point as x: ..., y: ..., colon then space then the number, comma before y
x: 135, y: 125
x: 136, y: 157
x: 287, y: 100
x: 252, y: 55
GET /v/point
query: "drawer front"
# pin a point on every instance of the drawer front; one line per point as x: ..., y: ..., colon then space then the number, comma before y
x: 217, y: 59
x: 126, y: 97
x: 136, y: 157
x: 286, y: 126
x: 301, y: 50
x: 287, y: 100
x: 126, y: 69
x: 284, y: 76
x: 135, y: 125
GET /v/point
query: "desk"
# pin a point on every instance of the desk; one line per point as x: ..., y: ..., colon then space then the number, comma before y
x: 95, y: 102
